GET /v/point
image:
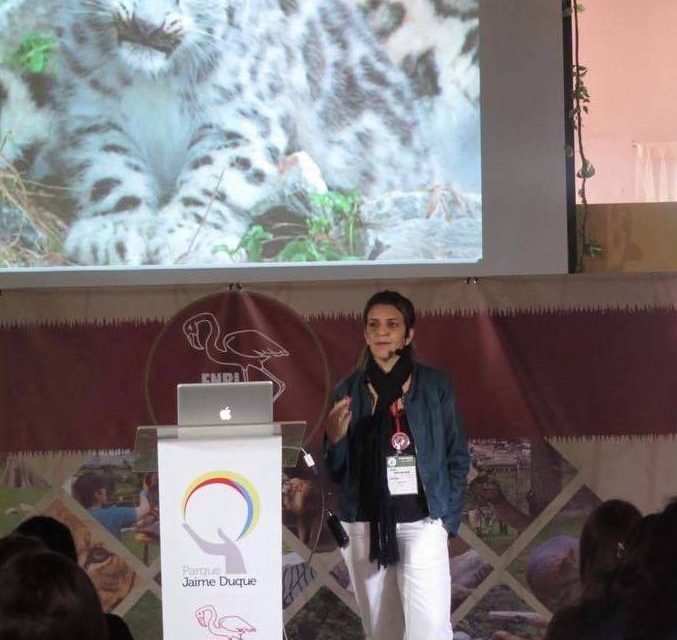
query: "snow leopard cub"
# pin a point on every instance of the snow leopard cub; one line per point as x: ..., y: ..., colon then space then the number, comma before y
x: 24, y: 122
x: 174, y: 115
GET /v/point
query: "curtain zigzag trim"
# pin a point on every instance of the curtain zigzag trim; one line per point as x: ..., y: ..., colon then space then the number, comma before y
x: 524, y: 294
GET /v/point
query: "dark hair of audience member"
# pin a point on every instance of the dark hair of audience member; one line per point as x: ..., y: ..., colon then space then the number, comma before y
x: 12, y: 545
x: 45, y: 596
x: 603, y: 541
x: 646, y: 585
x: 56, y: 535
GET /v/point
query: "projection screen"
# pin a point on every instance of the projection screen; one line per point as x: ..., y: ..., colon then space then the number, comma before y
x: 174, y: 141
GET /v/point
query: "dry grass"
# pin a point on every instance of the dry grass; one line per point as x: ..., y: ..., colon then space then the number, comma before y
x: 21, y: 195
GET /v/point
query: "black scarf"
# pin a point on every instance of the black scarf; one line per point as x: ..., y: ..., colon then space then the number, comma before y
x: 372, y: 440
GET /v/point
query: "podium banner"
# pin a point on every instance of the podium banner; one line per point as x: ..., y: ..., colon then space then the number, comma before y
x: 221, y: 537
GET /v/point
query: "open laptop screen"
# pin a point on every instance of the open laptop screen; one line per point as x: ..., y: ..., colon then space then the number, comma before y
x: 224, y: 403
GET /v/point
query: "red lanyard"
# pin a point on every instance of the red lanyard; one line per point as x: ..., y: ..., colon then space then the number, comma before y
x: 395, y: 413
x: 400, y: 441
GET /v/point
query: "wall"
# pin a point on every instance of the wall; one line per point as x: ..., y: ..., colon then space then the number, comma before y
x: 635, y: 237
x: 629, y: 48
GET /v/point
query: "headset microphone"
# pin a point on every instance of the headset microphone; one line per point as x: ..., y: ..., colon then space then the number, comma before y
x: 397, y: 352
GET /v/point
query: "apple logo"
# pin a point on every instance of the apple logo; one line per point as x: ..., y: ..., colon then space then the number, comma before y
x: 225, y: 413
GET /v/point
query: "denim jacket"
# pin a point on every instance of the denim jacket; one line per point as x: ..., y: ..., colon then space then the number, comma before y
x: 441, y: 453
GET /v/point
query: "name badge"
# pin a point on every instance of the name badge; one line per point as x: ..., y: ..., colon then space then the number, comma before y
x: 401, y: 475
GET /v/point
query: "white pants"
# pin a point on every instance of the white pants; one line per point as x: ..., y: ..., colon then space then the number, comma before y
x: 410, y: 600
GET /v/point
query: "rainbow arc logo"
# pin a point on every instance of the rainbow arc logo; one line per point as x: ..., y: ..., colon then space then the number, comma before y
x: 234, y: 563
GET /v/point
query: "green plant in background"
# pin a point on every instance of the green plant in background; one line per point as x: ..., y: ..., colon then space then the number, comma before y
x: 34, y: 53
x: 252, y: 242
x: 345, y: 208
x: 586, y: 170
x: 307, y: 249
x: 332, y: 235
x: 315, y: 246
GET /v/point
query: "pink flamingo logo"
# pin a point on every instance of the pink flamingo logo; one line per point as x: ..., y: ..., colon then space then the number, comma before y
x: 243, y: 350
x: 228, y: 627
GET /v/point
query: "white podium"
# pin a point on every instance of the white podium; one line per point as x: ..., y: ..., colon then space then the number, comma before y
x: 220, y: 526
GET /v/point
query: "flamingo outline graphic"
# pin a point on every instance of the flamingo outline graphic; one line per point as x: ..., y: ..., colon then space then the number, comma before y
x: 203, y: 332
x: 229, y: 627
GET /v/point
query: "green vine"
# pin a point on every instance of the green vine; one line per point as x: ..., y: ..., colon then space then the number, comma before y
x: 586, y: 170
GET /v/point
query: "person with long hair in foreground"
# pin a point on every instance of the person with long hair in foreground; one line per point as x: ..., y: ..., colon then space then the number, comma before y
x: 394, y: 443
x: 602, y: 545
x: 45, y: 596
x: 58, y: 538
x: 638, y: 600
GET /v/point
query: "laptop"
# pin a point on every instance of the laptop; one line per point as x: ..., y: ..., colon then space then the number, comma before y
x: 223, y: 403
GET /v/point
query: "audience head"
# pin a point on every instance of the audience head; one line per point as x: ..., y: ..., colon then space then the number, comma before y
x: 606, y: 531
x: 604, y: 536
x: 54, y: 534
x: 654, y: 543
x: 45, y: 596
x: 646, y: 584
x: 12, y: 545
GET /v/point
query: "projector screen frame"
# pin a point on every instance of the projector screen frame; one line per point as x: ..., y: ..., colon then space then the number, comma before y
x: 560, y: 260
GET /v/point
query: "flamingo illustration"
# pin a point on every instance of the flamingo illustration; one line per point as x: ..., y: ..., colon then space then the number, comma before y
x: 229, y: 627
x: 203, y: 333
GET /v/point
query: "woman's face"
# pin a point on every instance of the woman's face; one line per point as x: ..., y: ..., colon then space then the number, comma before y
x: 385, y: 332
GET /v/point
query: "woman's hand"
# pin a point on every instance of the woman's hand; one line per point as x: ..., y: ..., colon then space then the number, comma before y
x: 338, y: 420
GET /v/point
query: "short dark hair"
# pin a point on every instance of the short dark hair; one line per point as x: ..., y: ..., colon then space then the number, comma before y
x: 55, y: 535
x: 86, y: 485
x: 395, y: 299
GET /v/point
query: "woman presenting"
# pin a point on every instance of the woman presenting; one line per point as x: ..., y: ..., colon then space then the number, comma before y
x: 394, y: 443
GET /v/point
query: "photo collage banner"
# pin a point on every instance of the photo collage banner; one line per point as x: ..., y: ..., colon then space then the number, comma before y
x: 565, y: 405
